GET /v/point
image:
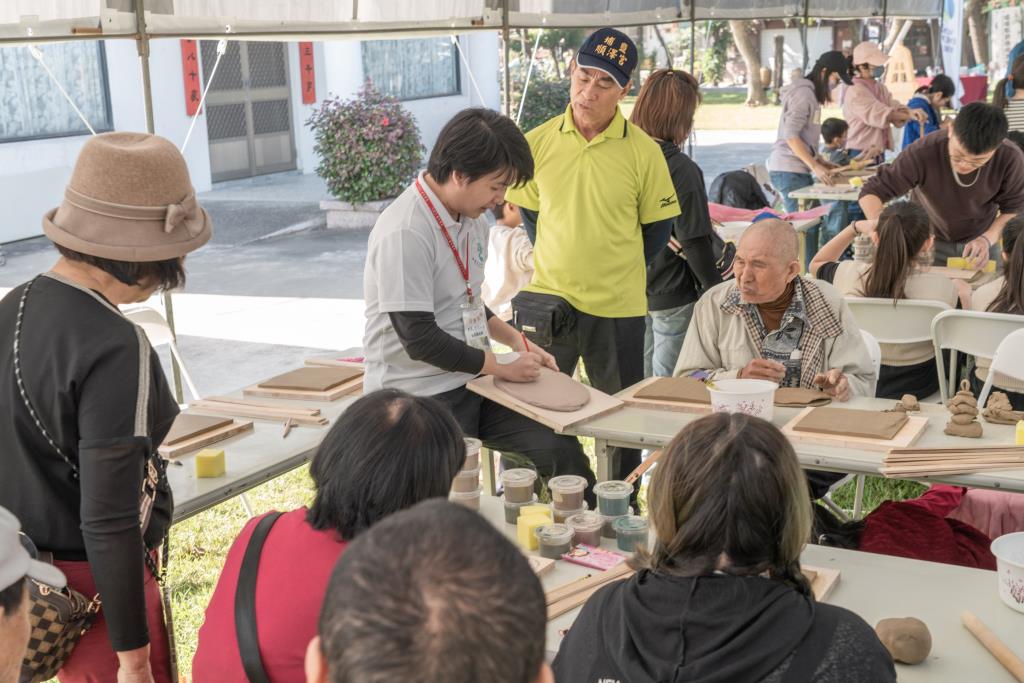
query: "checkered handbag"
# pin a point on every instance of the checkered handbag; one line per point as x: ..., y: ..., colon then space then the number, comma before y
x: 58, y: 620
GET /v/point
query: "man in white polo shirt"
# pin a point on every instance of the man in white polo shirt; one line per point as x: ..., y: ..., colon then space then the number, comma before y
x: 427, y: 330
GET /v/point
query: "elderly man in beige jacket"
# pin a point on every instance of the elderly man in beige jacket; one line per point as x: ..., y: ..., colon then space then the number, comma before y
x: 769, y: 323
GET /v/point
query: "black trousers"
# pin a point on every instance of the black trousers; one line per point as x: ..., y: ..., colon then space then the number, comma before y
x: 507, y: 431
x: 612, y: 349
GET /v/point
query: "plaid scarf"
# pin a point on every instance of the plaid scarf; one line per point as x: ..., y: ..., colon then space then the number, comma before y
x: 806, y: 324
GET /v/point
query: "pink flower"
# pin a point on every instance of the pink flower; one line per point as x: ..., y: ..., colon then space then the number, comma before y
x: 385, y: 121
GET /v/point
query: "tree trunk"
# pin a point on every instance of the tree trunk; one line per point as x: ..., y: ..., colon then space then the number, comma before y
x: 664, y: 46
x: 746, y: 42
x: 777, y: 72
x: 977, y: 26
x: 893, y: 34
x: 557, y: 61
x: 936, y: 44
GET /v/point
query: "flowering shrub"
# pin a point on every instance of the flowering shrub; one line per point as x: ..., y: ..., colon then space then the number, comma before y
x: 369, y: 146
x: 545, y: 99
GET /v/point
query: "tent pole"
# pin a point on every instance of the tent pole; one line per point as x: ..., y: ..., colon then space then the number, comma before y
x: 693, y: 49
x: 803, y: 34
x: 508, y: 72
x: 142, y: 43
x: 885, y: 18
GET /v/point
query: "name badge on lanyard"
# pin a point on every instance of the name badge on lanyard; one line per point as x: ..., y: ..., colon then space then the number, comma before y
x: 474, y: 317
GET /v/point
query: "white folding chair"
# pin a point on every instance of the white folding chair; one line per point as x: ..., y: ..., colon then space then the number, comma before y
x: 874, y: 350
x: 1007, y: 361
x: 159, y: 333
x: 976, y: 333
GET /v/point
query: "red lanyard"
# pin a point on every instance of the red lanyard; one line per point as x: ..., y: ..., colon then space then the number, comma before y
x: 463, y: 265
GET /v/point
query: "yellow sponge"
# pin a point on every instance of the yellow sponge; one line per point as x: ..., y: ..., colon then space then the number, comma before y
x: 210, y: 463
x: 526, y: 525
x: 960, y: 263
x: 856, y: 181
x: 528, y: 510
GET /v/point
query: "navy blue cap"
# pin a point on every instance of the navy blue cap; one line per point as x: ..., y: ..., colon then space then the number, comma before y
x: 610, y: 51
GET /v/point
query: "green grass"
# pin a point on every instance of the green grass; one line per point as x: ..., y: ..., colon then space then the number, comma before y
x: 728, y: 111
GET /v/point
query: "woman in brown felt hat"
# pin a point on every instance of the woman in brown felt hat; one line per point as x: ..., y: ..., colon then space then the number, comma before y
x: 84, y: 402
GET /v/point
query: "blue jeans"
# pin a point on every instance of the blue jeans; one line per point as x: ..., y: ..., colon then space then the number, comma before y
x: 785, y: 182
x: 663, y: 339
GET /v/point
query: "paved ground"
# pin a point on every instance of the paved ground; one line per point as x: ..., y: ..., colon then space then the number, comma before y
x: 274, y: 286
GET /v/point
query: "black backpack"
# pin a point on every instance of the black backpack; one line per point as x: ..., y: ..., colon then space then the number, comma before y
x: 739, y: 190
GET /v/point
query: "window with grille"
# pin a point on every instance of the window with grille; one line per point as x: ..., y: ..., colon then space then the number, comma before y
x: 32, y: 107
x: 412, y: 69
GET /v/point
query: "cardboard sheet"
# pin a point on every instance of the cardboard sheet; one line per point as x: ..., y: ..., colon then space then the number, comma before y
x: 867, y: 424
x: 312, y: 378
x: 188, y: 425
x: 794, y: 397
x: 676, y: 389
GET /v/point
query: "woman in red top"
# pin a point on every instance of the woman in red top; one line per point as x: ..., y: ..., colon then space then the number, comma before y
x: 388, y: 451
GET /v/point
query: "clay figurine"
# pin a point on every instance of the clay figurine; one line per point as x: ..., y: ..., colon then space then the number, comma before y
x: 1000, y: 412
x: 907, y: 640
x: 963, y: 409
x: 907, y: 404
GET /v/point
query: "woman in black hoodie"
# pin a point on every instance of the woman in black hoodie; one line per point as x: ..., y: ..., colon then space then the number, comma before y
x: 685, y: 268
x: 720, y: 597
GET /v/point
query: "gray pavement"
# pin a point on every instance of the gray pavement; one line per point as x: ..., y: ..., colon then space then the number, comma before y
x: 270, y: 240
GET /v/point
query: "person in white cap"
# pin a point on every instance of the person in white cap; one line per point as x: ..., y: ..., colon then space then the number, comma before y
x: 868, y: 106
x: 15, y: 567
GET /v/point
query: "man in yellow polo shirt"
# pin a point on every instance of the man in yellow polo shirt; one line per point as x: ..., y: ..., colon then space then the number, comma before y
x: 599, y: 208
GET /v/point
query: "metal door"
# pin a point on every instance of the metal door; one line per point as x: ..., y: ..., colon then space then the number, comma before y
x: 248, y: 110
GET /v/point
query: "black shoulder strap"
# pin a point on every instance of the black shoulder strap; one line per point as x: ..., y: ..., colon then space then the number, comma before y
x: 245, y: 603
x: 812, y: 648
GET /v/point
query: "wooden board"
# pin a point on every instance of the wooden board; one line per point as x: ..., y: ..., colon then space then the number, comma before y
x: 600, y: 403
x: 207, y: 439
x: 353, y: 386
x: 628, y: 396
x: 823, y: 581
x: 312, y: 378
x: 955, y: 273
x: 189, y: 425
x: 905, y: 438
x: 540, y: 565
x: 332, y: 362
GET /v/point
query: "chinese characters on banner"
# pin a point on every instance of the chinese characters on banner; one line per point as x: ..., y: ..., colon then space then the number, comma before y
x: 951, y: 40
x: 190, y: 75
x: 307, y: 73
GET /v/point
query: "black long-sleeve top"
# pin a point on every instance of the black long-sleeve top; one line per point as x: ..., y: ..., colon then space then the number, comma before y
x: 98, y: 389
x: 674, y: 281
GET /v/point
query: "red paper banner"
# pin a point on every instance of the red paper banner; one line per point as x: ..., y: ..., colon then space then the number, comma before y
x: 190, y: 75
x: 307, y: 73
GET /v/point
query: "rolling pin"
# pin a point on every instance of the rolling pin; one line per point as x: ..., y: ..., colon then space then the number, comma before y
x: 1003, y: 654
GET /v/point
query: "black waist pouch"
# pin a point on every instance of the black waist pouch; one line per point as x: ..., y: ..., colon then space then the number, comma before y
x: 543, y: 317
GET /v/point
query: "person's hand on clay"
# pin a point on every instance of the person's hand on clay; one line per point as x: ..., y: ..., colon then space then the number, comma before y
x: 526, y: 368
x: 870, y: 154
x: 546, y: 359
x: 833, y: 383
x: 976, y: 252
x: 823, y: 172
x: 761, y: 368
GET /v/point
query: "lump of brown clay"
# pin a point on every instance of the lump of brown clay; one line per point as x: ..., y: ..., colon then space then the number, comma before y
x: 907, y: 404
x: 1000, y: 411
x: 963, y: 409
x: 907, y: 640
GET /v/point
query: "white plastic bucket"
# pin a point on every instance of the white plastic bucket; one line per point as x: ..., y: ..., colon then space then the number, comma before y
x: 1009, y: 552
x: 754, y: 397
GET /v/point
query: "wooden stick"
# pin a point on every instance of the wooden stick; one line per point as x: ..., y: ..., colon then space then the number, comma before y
x: 644, y: 466
x: 257, y: 413
x: 959, y: 449
x: 547, y: 597
x: 298, y: 410
x: 288, y: 425
x: 899, y: 472
x: 994, y: 645
x: 574, y: 587
x: 561, y: 607
x: 953, y: 456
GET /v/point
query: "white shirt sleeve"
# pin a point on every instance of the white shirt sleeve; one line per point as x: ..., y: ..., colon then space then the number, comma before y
x: 404, y: 272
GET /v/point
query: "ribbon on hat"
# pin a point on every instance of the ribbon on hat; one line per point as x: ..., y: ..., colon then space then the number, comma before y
x: 173, y: 216
x: 183, y: 213
x: 763, y: 216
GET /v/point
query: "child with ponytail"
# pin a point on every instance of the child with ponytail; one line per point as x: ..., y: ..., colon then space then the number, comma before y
x: 1005, y: 294
x: 903, y: 232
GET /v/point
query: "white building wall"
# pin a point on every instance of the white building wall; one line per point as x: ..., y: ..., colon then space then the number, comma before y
x: 819, y: 39
x: 33, y: 174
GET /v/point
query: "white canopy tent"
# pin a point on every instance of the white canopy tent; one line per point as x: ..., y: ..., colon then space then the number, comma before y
x: 32, y: 21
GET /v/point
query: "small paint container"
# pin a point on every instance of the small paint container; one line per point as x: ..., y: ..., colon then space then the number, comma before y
x: 561, y: 515
x: 518, y: 484
x: 567, y: 491
x: 512, y: 510
x: 470, y: 499
x: 608, y: 531
x: 613, y: 497
x: 630, y: 532
x: 473, y: 447
x: 467, y: 481
x: 586, y: 528
x: 554, y: 540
